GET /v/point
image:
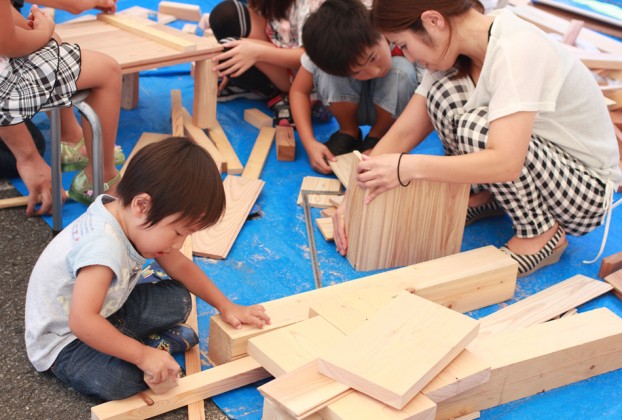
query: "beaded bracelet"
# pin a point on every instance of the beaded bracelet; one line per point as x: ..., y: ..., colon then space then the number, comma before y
x: 398, y: 171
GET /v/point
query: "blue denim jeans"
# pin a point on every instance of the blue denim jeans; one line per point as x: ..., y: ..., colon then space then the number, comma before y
x: 150, y: 308
x: 391, y: 92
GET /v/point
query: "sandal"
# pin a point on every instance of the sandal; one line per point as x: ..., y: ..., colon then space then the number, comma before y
x: 491, y: 209
x: 72, y: 160
x: 282, y: 114
x: 549, y: 254
x: 176, y: 339
x: 369, y: 143
x: 340, y: 143
x: 81, y: 189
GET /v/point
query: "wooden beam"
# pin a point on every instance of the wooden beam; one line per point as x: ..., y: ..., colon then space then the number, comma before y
x: 218, y: 136
x: 205, y: 94
x: 285, y: 144
x: 177, y: 116
x: 259, y: 154
x: 543, y: 306
x: 257, y: 119
x: 201, y: 138
x: 191, y: 388
x: 129, y: 91
x: 610, y: 264
x: 464, y: 282
x: 542, y: 357
x: 146, y: 31
x: 181, y: 11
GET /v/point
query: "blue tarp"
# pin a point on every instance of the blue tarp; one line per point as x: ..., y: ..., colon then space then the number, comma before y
x: 270, y: 257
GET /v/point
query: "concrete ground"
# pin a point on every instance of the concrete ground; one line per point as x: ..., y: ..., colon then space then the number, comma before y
x: 25, y: 393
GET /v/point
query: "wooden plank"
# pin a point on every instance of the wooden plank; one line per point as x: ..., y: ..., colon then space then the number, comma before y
x: 181, y: 11
x: 610, y: 264
x: 316, y: 183
x: 149, y: 32
x: 218, y: 136
x: 382, y: 235
x: 216, y: 241
x: 542, y: 357
x: 129, y: 91
x: 191, y: 388
x: 343, y: 167
x: 285, y: 144
x: 177, y: 116
x: 201, y: 138
x: 145, y: 139
x: 205, y: 94
x: 615, y: 280
x: 543, y: 306
x: 259, y: 154
x: 464, y: 282
x: 325, y: 224
x: 400, y: 349
x: 257, y: 119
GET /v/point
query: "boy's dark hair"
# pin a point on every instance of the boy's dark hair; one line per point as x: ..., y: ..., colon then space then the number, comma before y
x: 337, y: 35
x: 271, y: 9
x: 181, y: 178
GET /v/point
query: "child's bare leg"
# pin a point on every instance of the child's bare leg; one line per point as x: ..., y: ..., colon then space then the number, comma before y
x: 345, y: 113
x: 102, y: 75
x: 70, y: 129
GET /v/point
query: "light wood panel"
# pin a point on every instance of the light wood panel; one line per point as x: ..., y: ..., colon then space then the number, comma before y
x: 285, y: 144
x: 464, y: 282
x: 216, y: 241
x: 400, y: 349
x: 259, y: 154
x: 230, y: 158
x: 404, y: 225
x: 316, y: 183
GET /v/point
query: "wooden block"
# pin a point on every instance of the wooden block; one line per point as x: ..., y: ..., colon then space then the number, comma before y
x: 190, y: 28
x: 400, y: 349
x: 285, y: 144
x: 216, y: 241
x: 464, y: 282
x: 343, y: 167
x: 191, y: 388
x: 145, y: 139
x: 328, y: 211
x: 382, y: 234
x: 201, y: 138
x: 610, y: 264
x: 230, y: 158
x: 259, y: 154
x: 257, y: 119
x: 129, y: 91
x: 177, y: 116
x: 615, y: 280
x: 325, y: 224
x: 542, y: 306
x: 316, y: 183
x: 542, y: 357
x: 181, y: 11
x: 146, y: 31
x: 205, y: 94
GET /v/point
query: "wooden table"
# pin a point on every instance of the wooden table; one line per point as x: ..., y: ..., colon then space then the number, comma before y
x: 136, y: 53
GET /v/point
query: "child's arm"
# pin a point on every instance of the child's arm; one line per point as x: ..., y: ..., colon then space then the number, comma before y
x: 75, y: 6
x: 246, y: 52
x: 301, y: 111
x: 96, y: 331
x: 17, y: 41
x: 196, y: 281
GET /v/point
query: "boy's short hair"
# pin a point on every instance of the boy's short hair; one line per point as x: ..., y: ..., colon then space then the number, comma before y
x: 181, y: 178
x: 337, y: 35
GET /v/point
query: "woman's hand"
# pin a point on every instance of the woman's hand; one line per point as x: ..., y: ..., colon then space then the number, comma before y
x: 379, y: 174
x: 339, y: 228
x: 241, y: 56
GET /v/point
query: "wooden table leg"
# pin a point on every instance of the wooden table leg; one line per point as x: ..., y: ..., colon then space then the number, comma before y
x: 205, y: 93
x: 129, y: 91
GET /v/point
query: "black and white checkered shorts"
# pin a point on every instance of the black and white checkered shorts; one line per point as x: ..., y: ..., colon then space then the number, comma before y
x: 553, y: 185
x: 46, y: 77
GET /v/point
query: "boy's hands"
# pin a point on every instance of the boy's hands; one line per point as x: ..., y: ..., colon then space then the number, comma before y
x: 158, y: 366
x: 40, y: 21
x: 319, y: 155
x: 236, y: 315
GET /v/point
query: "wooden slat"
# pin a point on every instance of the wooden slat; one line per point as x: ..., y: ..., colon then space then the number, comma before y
x: 343, y: 167
x: 177, y: 117
x: 382, y: 235
x: 191, y: 388
x: 400, y: 349
x: 542, y: 306
x: 316, y: 183
x: 205, y: 94
x: 257, y: 119
x: 216, y: 241
x: 218, y: 136
x: 148, y: 32
x: 540, y: 358
x: 464, y: 282
x: 615, y: 280
x: 201, y: 138
x: 259, y: 154
x: 325, y: 224
x: 285, y: 144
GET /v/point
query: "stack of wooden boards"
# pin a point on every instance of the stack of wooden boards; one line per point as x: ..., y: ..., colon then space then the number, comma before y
x: 389, y: 348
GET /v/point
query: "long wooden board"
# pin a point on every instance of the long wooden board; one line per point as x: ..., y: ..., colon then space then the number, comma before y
x: 230, y: 158
x: 198, y: 135
x: 259, y: 154
x: 400, y: 349
x: 216, y: 241
x: 466, y: 281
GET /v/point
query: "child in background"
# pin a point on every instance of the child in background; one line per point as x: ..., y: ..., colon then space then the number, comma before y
x: 356, y: 75
x: 87, y: 314
x: 36, y: 70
